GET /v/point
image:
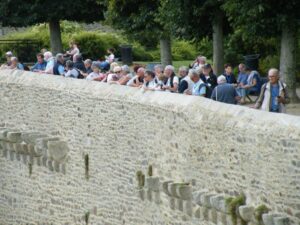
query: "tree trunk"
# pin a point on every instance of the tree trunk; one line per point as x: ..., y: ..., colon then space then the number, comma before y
x: 218, y: 48
x: 55, y: 37
x: 165, y: 51
x: 288, y: 60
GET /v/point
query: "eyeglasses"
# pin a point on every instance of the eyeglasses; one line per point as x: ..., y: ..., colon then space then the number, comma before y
x: 118, y: 72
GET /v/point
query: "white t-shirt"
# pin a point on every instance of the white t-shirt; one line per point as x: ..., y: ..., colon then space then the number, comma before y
x: 92, y: 76
x: 151, y: 84
x: 175, y: 81
x: 73, y: 73
x: 110, y: 58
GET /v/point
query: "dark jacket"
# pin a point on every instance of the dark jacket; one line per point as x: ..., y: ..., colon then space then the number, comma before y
x: 212, y: 80
x: 80, y: 66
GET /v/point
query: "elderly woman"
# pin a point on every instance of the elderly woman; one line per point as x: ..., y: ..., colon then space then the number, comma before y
x: 173, y: 80
x: 71, y: 71
x: 15, y: 64
x: 149, y: 81
x: 160, y: 78
x: 186, y: 84
x: 126, y: 75
x: 115, y: 76
x: 96, y: 73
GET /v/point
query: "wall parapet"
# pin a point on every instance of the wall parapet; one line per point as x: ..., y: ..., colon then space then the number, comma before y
x: 105, y: 133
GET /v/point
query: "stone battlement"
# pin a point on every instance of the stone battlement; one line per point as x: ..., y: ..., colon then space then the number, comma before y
x: 90, y: 145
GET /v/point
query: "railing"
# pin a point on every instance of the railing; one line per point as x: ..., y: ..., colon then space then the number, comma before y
x: 24, y: 49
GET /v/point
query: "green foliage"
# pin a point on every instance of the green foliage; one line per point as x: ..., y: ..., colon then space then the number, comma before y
x: 35, y: 11
x: 140, y: 179
x: 87, y: 166
x: 271, y: 61
x: 183, y: 50
x: 30, y: 169
x: 87, y: 217
x: 94, y: 45
x: 259, y: 211
x: 205, y: 47
x: 233, y: 205
x: 150, y: 171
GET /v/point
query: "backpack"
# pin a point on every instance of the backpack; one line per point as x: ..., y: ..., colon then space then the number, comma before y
x: 209, y: 90
x: 80, y: 76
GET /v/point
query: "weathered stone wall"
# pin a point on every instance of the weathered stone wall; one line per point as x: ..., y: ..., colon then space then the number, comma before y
x: 112, y: 132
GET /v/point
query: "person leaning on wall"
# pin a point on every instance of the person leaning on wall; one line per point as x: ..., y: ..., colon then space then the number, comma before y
x: 274, y: 95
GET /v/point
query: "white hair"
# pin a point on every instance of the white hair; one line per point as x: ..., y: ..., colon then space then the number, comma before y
x: 193, y: 73
x: 203, y: 58
x: 221, y: 79
x: 126, y: 68
x: 117, y: 69
x: 183, y: 68
x: 47, y: 55
x: 274, y: 71
x: 14, y: 59
x: 141, y: 69
x: 159, y: 66
x: 170, y: 67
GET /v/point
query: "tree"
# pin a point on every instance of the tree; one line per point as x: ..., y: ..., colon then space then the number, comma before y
x: 195, y: 19
x: 23, y: 13
x: 141, y: 19
x: 271, y: 18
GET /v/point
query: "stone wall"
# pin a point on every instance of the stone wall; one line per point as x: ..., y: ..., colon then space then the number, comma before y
x: 201, y: 153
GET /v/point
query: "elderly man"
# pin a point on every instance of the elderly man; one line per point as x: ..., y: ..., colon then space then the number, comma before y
x: 225, y: 92
x: 173, y: 80
x: 50, y: 62
x: 138, y: 79
x: 274, y: 95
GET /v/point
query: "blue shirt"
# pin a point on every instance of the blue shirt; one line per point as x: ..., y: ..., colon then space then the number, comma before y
x: 224, y: 93
x: 39, y: 66
x: 242, y: 78
x: 199, y: 88
x: 274, y: 99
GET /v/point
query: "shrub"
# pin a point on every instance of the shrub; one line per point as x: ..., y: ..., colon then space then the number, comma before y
x: 271, y: 61
x: 183, y: 50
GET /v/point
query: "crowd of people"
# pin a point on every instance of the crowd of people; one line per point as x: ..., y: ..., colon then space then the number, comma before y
x: 196, y: 79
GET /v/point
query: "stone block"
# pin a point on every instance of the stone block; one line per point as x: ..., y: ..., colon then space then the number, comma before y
x: 184, y: 192
x: 152, y: 183
x: 205, y: 199
x: 57, y: 150
x: 281, y: 220
x: 3, y: 134
x: 41, y: 144
x: 197, y: 196
x: 141, y: 194
x: 246, y: 212
x: 179, y: 204
x: 188, y: 208
x: 31, y: 137
x: 213, y: 215
x: 14, y: 137
x: 172, y: 203
x: 165, y: 185
x: 172, y: 189
x: 268, y: 218
x: 149, y: 195
x: 217, y: 201
x: 197, y: 212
